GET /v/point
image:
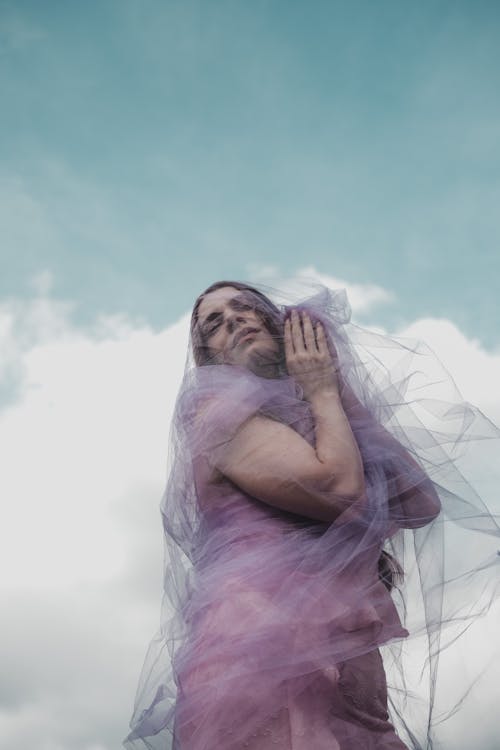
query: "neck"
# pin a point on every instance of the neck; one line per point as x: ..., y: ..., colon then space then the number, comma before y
x: 265, y: 367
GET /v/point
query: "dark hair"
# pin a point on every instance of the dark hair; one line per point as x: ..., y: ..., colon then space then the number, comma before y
x: 389, y: 570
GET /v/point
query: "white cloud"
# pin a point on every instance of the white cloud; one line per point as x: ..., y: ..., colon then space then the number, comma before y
x: 475, y: 371
x: 83, y: 437
x: 90, y: 421
x: 362, y: 297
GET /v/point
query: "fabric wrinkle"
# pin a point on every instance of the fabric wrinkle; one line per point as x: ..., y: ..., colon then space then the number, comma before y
x: 277, y: 632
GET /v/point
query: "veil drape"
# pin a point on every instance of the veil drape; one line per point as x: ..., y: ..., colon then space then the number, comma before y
x: 409, y: 421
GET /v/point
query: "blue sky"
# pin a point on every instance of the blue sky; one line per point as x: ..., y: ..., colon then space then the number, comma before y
x: 148, y: 148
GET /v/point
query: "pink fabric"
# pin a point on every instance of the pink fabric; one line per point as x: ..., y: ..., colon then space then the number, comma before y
x: 273, y: 624
x: 278, y: 639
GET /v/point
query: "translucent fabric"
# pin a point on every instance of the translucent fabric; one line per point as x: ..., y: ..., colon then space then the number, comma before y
x: 281, y: 631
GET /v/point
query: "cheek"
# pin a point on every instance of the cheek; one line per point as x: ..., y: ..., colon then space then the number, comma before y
x: 219, y: 342
x: 271, y: 341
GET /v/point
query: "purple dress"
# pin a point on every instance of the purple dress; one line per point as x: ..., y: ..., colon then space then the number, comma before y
x: 273, y: 623
x: 288, y: 613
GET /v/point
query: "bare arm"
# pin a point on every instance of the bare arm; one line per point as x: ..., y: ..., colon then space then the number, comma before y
x: 336, y: 446
x: 272, y: 462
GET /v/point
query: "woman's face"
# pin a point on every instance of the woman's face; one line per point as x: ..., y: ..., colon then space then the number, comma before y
x: 234, y: 332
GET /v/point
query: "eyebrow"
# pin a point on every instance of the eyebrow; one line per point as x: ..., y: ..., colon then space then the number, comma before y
x: 237, y: 299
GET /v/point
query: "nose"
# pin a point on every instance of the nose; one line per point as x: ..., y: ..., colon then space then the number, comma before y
x: 233, y: 320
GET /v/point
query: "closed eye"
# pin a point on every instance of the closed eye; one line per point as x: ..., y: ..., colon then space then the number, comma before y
x: 212, y: 325
x: 213, y: 321
x: 211, y: 329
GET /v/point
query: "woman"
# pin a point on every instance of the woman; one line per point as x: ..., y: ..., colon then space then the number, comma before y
x: 285, y: 488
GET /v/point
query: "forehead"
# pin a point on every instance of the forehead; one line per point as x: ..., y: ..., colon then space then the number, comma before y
x: 216, y: 299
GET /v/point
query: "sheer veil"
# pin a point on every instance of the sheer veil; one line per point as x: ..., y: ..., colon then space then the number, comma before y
x: 394, y: 387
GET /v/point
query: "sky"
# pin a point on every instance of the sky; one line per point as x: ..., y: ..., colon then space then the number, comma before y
x: 146, y: 150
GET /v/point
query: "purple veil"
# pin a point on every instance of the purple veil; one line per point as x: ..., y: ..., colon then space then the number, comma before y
x: 257, y: 600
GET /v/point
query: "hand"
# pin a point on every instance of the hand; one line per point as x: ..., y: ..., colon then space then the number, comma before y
x: 308, y: 358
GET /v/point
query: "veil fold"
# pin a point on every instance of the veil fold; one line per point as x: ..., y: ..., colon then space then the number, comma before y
x: 305, y: 595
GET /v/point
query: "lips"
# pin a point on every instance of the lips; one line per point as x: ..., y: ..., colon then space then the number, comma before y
x: 244, y: 332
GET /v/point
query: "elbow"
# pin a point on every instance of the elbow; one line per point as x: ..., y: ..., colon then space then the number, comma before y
x: 337, y: 490
x: 351, y: 482
x: 348, y: 489
x: 432, y: 505
x: 420, y: 508
x: 429, y: 502
x: 353, y: 491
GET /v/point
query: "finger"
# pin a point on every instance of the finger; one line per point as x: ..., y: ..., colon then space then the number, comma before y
x: 321, y: 338
x: 328, y: 348
x: 310, y: 342
x: 287, y: 337
x: 298, y: 339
